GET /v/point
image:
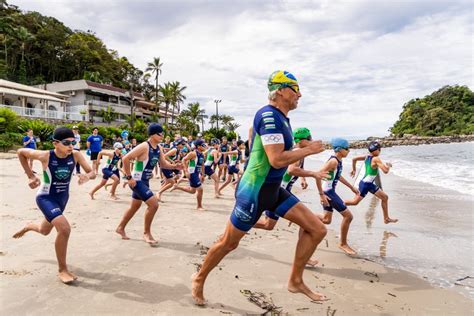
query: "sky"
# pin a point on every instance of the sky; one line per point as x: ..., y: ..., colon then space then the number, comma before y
x: 357, y: 62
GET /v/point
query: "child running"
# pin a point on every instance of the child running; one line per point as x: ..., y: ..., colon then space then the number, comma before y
x: 327, y: 191
x: 212, y: 158
x: 372, y: 164
x: 58, y: 165
x: 111, y: 170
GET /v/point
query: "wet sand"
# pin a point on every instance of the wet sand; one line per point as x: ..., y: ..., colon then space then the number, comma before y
x: 124, y: 277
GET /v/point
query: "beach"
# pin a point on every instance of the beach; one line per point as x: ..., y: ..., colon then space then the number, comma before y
x: 130, y: 277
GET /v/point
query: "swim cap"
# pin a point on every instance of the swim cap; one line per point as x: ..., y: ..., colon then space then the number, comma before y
x: 281, y: 79
x: 184, y: 150
x: 301, y: 133
x: 215, y: 141
x: 118, y: 145
x: 61, y: 133
x: 199, y: 142
x: 179, y: 142
x: 373, y: 146
x: 339, y: 143
x: 154, y: 128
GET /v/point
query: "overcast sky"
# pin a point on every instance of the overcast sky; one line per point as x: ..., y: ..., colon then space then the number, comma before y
x: 357, y: 62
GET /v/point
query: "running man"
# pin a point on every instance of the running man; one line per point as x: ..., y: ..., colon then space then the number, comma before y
x: 212, y: 158
x: 224, y: 159
x: 259, y: 188
x: 194, y: 160
x: 327, y: 191
x: 94, y: 145
x: 173, y: 156
x: 111, y: 170
x: 146, y: 156
x: 372, y: 165
x: 58, y: 165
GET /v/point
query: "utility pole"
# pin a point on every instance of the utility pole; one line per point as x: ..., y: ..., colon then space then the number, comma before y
x: 131, y: 107
x: 217, y: 112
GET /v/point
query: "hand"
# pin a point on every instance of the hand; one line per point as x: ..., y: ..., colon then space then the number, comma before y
x: 353, y: 173
x: 321, y: 175
x: 132, y: 183
x: 83, y: 178
x: 324, y: 199
x: 304, y: 184
x: 34, y: 182
x: 389, y: 164
x: 316, y: 146
x: 178, y: 166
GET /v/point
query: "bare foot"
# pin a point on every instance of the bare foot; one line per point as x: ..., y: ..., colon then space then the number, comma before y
x: 348, y: 250
x: 66, y: 277
x: 121, y: 232
x: 91, y: 195
x: 302, y: 288
x: 73, y: 275
x: 173, y: 188
x: 106, y: 186
x: 312, y: 262
x: 114, y: 197
x: 149, y: 239
x: 20, y: 233
x: 390, y: 220
x: 217, y: 196
x: 201, y: 209
x: 197, y: 291
x: 158, y: 197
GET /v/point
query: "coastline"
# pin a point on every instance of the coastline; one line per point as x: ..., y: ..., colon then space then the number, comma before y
x: 124, y: 277
x: 409, y: 140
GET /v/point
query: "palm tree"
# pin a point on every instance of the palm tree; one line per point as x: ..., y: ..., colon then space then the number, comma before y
x: 232, y: 126
x: 213, y: 119
x: 23, y: 36
x: 167, y: 97
x: 195, y: 113
x: 155, y: 68
x: 226, y: 119
x: 178, y: 97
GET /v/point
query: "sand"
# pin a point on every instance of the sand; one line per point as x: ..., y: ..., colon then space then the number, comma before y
x: 130, y: 277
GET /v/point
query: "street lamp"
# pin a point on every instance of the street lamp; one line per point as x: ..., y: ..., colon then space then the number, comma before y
x: 131, y: 107
x: 217, y: 112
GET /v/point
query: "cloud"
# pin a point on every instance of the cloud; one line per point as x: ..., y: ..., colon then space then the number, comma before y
x: 357, y: 62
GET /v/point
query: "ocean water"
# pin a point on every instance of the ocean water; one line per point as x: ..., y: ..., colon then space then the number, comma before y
x: 430, y: 191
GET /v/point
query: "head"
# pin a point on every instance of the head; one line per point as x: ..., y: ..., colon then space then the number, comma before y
x: 241, y: 144
x: 341, y: 146
x: 29, y: 132
x: 190, y: 138
x: 95, y: 131
x: 224, y: 139
x: 374, y: 148
x: 215, y: 143
x: 134, y: 141
x: 283, y: 89
x: 118, y: 147
x: 200, y: 145
x: 63, y: 141
x: 75, y: 130
x: 234, y: 142
x: 302, y: 137
x: 155, y: 132
x: 180, y: 143
x: 177, y: 136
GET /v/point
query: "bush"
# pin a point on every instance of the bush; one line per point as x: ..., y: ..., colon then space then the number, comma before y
x: 47, y: 145
x: 5, y: 142
x: 40, y: 128
x: 8, y: 120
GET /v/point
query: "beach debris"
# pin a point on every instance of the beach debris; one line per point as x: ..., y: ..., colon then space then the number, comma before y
x: 225, y: 312
x: 391, y: 294
x: 262, y: 301
x: 458, y: 281
x: 327, y: 243
x: 465, y: 278
x: 302, y: 309
x: 236, y: 276
x: 203, y: 249
x: 198, y: 266
x: 373, y: 275
x: 330, y: 311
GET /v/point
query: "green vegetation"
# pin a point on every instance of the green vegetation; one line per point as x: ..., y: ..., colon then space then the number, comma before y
x: 448, y: 111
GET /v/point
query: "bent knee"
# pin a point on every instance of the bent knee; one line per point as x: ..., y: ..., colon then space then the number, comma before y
x: 230, y: 245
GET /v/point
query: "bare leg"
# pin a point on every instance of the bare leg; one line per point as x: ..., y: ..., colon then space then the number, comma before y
x: 266, y: 223
x: 199, y: 195
x: 227, y: 181
x: 44, y: 228
x: 168, y: 184
x: 346, y: 222
x: 229, y: 241
x: 152, y: 204
x: 354, y: 201
x: 114, y: 187
x: 314, y: 232
x: 311, y: 262
x: 187, y: 189
x: 216, y: 184
x: 94, y: 190
x: 129, y: 213
x: 64, y: 230
x: 384, y: 197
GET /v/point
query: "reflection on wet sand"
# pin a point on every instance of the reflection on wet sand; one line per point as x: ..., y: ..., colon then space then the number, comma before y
x: 383, y: 244
x: 370, y: 214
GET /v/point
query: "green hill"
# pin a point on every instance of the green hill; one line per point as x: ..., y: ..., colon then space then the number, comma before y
x: 448, y: 111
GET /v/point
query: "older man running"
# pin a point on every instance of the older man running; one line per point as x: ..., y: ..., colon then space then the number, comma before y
x: 259, y: 188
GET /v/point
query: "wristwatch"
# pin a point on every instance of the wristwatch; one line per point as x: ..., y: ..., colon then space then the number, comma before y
x: 128, y: 177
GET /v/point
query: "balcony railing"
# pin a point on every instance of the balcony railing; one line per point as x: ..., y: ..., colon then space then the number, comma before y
x: 47, y: 114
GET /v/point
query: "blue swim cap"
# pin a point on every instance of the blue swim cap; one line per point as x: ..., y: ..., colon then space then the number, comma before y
x: 339, y: 143
x: 373, y: 146
x: 154, y: 128
x: 199, y: 142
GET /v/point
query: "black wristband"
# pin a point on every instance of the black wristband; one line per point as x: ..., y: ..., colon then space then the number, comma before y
x: 128, y: 177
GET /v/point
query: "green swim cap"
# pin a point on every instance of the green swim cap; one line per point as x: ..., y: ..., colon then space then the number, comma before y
x: 281, y: 79
x: 301, y: 133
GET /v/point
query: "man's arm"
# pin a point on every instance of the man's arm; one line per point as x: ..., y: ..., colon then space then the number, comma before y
x: 24, y: 154
x: 295, y: 170
x: 27, y: 142
x: 280, y: 158
x: 90, y: 174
